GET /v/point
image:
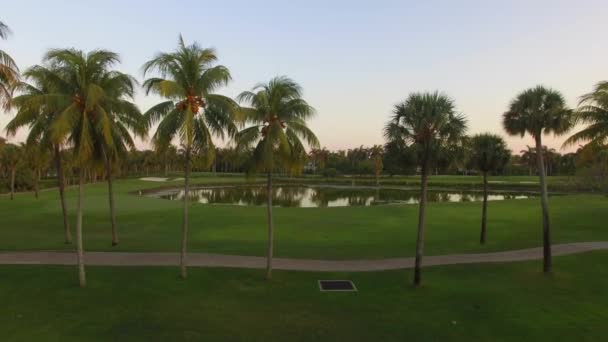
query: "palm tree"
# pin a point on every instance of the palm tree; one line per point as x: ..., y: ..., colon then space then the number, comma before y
x: 39, y: 118
x: 188, y: 78
x: 489, y: 153
x: 430, y: 122
x: 319, y: 156
x: 124, y: 118
x: 592, y: 111
x: 37, y: 159
x: 11, y: 160
x: 278, y: 116
x: 9, y: 73
x: 377, y: 153
x: 539, y: 111
x: 84, y: 96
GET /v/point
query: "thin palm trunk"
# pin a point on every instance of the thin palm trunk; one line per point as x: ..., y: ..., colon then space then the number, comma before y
x: 61, y: 180
x: 484, y: 210
x: 79, y: 248
x: 544, y: 200
x: 36, y: 181
x: 13, y: 172
x: 421, y: 222
x: 111, y: 199
x: 270, y: 227
x: 182, y: 260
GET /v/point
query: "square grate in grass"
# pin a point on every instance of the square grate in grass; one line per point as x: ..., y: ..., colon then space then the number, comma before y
x: 336, y: 285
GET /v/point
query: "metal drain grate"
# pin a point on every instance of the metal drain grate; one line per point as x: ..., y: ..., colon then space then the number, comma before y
x: 336, y: 285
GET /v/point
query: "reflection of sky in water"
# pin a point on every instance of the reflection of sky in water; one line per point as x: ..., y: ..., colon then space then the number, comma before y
x: 326, y: 196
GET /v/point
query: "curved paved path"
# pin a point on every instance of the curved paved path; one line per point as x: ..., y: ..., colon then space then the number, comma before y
x: 222, y: 260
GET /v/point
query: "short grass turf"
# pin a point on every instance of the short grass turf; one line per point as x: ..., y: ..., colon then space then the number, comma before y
x: 149, y: 224
x: 497, y: 302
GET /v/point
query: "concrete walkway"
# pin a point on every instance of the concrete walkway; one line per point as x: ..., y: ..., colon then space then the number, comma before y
x: 221, y: 260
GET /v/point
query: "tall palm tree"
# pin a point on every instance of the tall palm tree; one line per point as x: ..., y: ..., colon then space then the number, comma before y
x: 278, y: 116
x: 488, y: 154
x: 428, y: 121
x: 9, y: 72
x: 32, y: 113
x: 192, y: 112
x: 11, y: 160
x: 539, y: 111
x: 593, y: 112
x: 84, y: 96
x: 124, y: 118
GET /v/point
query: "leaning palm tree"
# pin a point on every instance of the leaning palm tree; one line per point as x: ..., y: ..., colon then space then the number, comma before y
x: 488, y: 154
x: 192, y: 112
x: 539, y: 111
x: 32, y: 113
x: 278, y: 116
x: 9, y: 73
x: 429, y: 122
x: 593, y: 112
x: 83, y: 98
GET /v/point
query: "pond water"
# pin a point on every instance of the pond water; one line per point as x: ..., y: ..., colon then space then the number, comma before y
x: 325, y: 196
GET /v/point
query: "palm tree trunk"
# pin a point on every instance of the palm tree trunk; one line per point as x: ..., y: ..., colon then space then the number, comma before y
x: 270, y: 227
x: 182, y: 261
x: 13, y: 172
x: 544, y: 199
x: 79, y: 248
x: 61, y: 180
x: 484, y: 210
x: 421, y: 222
x: 111, y: 199
x: 36, y: 181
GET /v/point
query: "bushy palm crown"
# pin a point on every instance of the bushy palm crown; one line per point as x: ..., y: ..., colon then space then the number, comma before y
x: 488, y: 152
x: 82, y: 101
x: 9, y: 73
x: 428, y: 120
x: 278, y: 116
x: 188, y: 79
x: 536, y: 111
x: 593, y: 111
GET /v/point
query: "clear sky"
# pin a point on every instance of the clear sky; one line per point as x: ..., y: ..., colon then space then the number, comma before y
x: 354, y: 59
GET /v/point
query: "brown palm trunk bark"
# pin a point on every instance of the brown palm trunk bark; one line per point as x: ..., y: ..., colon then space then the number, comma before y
x: 111, y: 200
x: 544, y: 200
x: 13, y: 172
x: 79, y: 247
x: 61, y: 180
x: 36, y: 183
x: 484, y: 210
x: 421, y: 222
x: 270, y: 227
x: 184, y: 246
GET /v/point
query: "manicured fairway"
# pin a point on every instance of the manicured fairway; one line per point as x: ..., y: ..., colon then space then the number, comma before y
x: 148, y: 224
x: 506, y: 302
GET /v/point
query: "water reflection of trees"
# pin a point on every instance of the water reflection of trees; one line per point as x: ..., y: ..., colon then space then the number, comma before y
x: 295, y: 196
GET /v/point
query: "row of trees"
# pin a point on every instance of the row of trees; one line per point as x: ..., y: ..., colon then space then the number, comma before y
x: 400, y: 159
x: 429, y: 123
x: 78, y: 101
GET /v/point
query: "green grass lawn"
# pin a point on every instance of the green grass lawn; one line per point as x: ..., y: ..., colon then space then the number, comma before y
x: 149, y: 224
x: 498, y: 302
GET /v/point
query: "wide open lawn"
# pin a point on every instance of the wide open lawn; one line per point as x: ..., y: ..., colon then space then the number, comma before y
x: 149, y: 224
x: 499, y: 302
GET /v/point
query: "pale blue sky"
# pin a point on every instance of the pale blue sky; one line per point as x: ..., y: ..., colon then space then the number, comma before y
x: 355, y: 59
